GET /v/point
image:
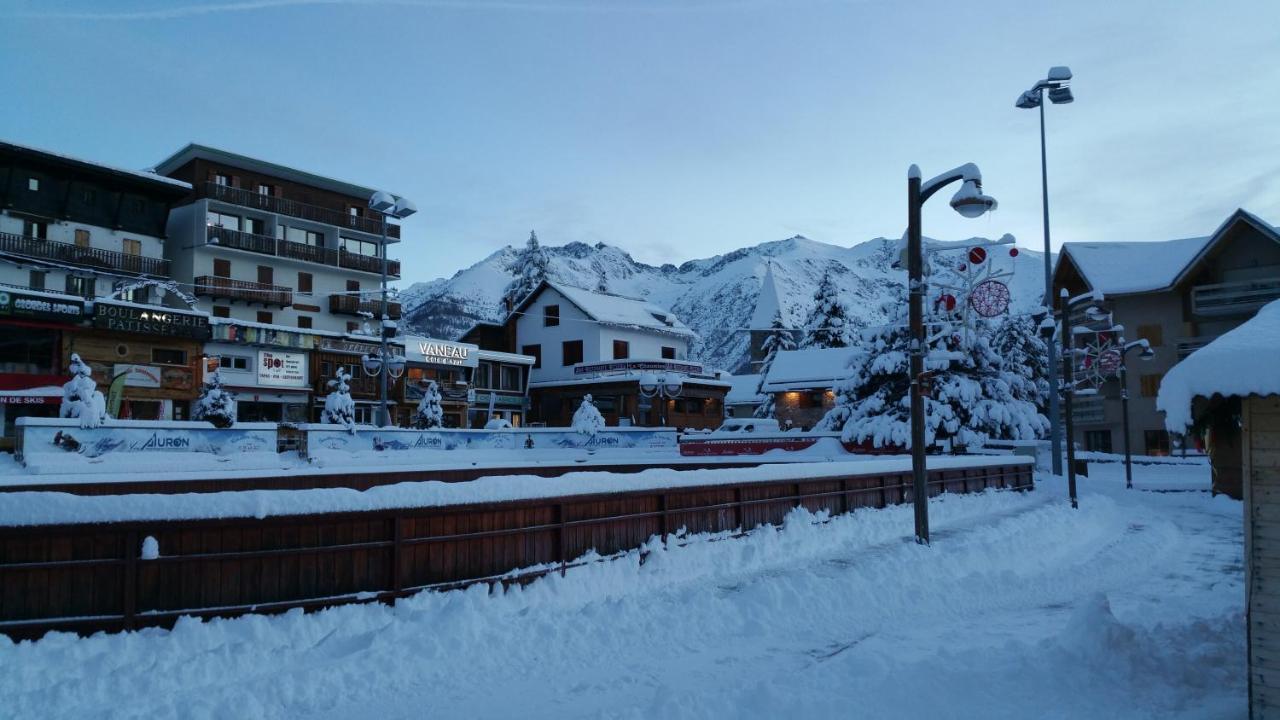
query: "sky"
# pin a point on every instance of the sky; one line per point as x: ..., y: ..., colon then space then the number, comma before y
x: 677, y: 130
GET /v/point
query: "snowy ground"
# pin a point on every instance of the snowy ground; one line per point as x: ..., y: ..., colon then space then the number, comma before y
x: 1131, y: 607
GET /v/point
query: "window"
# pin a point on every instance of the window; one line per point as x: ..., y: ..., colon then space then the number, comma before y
x: 550, y: 316
x: 1153, y: 334
x: 33, y: 184
x: 131, y: 247
x: 510, y: 377
x: 265, y: 189
x: 35, y: 229
x: 303, y: 236
x: 304, y: 282
x: 359, y: 247
x: 88, y: 197
x: 668, y: 353
x: 1097, y: 441
x: 37, y: 279
x: 255, y: 226
x: 304, y: 321
x: 1151, y: 384
x: 233, y: 362
x: 353, y: 326
x: 168, y: 356
x: 484, y: 372
x: 138, y: 295
x: 264, y: 317
x: 621, y: 349
x: 353, y: 286
x: 571, y: 352
x: 266, y: 275
x: 355, y: 211
x: 223, y: 180
x: 221, y: 311
x: 221, y: 268
x: 82, y: 238
x: 139, y: 205
x: 82, y: 286
x: 1157, y: 442
x: 535, y: 351
x: 223, y: 220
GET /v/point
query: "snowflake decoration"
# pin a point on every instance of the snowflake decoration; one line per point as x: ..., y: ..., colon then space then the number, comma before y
x: 1099, y: 359
x: 970, y: 286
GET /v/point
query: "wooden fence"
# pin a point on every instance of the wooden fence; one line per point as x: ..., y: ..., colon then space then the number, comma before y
x: 89, y: 577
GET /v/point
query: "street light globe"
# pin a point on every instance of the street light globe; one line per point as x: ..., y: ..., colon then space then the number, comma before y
x: 404, y: 208
x: 371, y: 365
x: 970, y: 202
x: 382, y: 201
x: 672, y: 384
x: 648, y: 383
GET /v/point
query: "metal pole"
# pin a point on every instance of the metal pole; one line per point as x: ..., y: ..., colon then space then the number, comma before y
x: 1055, y: 415
x: 1124, y: 409
x: 384, y: 418
x: 915, y: 293
x: 1068, y: 393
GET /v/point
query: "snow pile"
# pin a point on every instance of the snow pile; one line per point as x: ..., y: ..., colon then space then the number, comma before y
x: 150, y: 548
x: 216, y: 404
x: 1241, y: 362
x: 812, y: 367
x: 81, y: 397
x: 587, y: 418
x: 429, y: 413
x: 339, y: 408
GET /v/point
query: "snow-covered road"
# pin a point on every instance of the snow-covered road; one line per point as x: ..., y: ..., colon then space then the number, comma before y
x: 1130, y: 607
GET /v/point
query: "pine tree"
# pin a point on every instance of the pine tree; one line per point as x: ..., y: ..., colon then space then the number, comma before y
x: 339, y: 408
x: 531, y: 270
x: 778, y: 340
x: 1016, y: 339
x: 828, y: 325
x: 81, y: 397
x: 216, y: 404
x: 429, y: 413
x: 587, y: 418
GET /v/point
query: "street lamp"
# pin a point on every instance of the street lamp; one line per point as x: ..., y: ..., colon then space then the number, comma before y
x: 1094, y: 312
x: 1057, y: 83
x: 386, y: 204
x: 1146, y: 354
x: 970, y: 202
x: 664, y: 386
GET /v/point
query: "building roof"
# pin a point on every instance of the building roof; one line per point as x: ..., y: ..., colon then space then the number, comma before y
x: 808, y: 368
x: 160, y: 182
x: 1241, y: 362
x: 193, y: 151
x: 768, y: 303
x: 616, y: 310
x: 742, y: 389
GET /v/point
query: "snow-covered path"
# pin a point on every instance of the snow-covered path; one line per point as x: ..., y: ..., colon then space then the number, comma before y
x: 1131, y: 607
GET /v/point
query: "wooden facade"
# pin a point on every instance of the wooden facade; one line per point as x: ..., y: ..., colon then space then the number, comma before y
x: 174, y: 360
x: 90, y: 577
x: 1261, y: 446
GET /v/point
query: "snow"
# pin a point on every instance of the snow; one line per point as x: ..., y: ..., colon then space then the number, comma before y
x: 1240, y: 362
x: 150, y: 548
x: 742, y: 389
x: 1130, y: 607
x: 1116, y: 268
x: 622, y: 311
x: 587, y: 419
x: 429, y: 413
x: 80, y: 396
x: 808, y: 368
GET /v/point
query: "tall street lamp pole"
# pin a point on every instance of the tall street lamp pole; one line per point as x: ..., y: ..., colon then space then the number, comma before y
x: 1059, y: 93
x: 1147, y: 354
x: 971, y: 203
x: 400, y: 208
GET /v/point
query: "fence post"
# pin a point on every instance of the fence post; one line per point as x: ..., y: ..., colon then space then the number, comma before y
x: 737, y: 508
x: 130, y: 597
x: 397, y: 555
x: 561, y: 546
x: 662, y: 506
x: 884, y: 491
x: 844, y: 495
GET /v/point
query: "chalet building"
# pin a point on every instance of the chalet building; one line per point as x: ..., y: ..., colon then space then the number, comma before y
x: 743, y: 397
x: 584, y: 342
x: 71, y: 232
x: 1179, y: 295
x: 802, y: 383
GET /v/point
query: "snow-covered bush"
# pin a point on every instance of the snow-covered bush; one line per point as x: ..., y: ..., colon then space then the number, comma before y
x: 778, y: 339
x: 216, y: 404
x: 530, y: 271
x: 429, y: 413
x: 829, y: 324
x: 81, y: 397
x: 339, y: 408
x: 587, y: 418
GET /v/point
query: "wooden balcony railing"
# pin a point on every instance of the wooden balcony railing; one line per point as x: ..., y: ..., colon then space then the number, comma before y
x: 83, y: 256
x: 254, y: 292
x: 371, y: 223
x: 1234, y: 298
x: 352, y: 305
x: 266, y: 245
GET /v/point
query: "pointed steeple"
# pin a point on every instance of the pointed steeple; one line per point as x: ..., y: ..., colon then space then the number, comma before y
x: 768, y: 304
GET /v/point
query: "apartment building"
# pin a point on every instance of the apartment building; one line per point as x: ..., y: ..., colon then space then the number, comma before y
x: 1179, y: 295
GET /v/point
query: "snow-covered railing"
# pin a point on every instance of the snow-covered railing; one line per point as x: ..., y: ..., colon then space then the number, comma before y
x: 136, y: 444
x: 328, y: 439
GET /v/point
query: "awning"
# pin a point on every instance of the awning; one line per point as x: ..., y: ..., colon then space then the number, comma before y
x: 44, y: 395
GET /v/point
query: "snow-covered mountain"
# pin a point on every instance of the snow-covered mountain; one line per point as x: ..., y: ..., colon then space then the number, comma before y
x: 714, y: 296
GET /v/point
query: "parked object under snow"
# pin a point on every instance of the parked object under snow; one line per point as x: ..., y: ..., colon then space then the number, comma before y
x: 587, y: 418
x: 81, y: 397
x: 339, y: 408
x: 429, y: 413
x: 216, y: 404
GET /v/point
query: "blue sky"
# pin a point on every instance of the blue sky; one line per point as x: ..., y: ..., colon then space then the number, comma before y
x: 677, y: 130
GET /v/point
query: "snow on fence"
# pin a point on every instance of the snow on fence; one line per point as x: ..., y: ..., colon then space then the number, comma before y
x: 44, y: 443
x: 329, y: 438
x: 62, y: 566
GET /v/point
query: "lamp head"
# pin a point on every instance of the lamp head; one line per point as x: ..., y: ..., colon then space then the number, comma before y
x: 382, y: 201
x: 1147, y: 354
x: 672, y: 384
x: 1029, y: 100
x: 970, y: 202
x: 403, y: 208
x: 1059, y: 73
x: 648, y: 383
x: 1061, y: 95
x: 371, y: 364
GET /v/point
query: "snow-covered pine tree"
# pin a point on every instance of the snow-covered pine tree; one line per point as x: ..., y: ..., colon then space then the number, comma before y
x: 81, y: 397
x: 531, y: 269
x: 429, y: 413
x: 1016, y: 339
x: 587, y: 418
x: 778, y: 339
x: 339, y: 408
x: 216, y: 404
x: 828, y: 325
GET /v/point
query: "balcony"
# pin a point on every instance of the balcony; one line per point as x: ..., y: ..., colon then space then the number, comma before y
x: 83, y: 256
x: 293, y: 208
x: 252, y: 292
x: 351, y: 305
x: 266, y: 245
x: 1234, y: 298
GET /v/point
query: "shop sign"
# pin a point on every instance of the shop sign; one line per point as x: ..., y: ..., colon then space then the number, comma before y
x: 351, y: 347
x: 145, y: 376
x: 499, y: 400
x: 36, y: 307
x: 641, y: 365
x: 277, y: 369
x: 441, y: 352
x: 30, y: 399
x: 150, y: 320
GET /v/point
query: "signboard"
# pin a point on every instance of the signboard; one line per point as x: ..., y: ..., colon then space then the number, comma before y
x: 642, y: 365
x: 500, y: 400
x: 150, y: 320
x: 29, y: 306
x: 30, y: 399
x: 138, y: 375
x: 353, y: 347
x: 441, y: 352
x: 282, y: 369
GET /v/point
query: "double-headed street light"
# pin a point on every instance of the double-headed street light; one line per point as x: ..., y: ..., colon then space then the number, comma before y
x: 1147, y: 353
x: 970, y: 202
x: 663, y: 386
x: 1057, y: 83
x: 386, y: 204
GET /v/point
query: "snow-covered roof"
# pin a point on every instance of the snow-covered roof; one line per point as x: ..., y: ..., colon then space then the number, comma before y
x: 768, y: 303
x: 742, y: 389
x: 621, y: 310
x: 1241, y: 362
x: 195, y: 150
x: 1117, y: 268
x: 139, y: 174
x: 808, y: 368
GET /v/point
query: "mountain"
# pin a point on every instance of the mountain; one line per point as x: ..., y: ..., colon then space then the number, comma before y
x: 714, y: 296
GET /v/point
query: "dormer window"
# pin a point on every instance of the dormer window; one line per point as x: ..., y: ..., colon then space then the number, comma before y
x: 664, y: 318
x: 550, y: 315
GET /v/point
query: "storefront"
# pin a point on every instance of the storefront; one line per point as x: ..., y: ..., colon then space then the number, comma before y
x: 345, y: 352
x: 616, y: 389
x: 145, y: 358
x: 270, y: 385
x: 32, y: 327
x: 501, y: 381
x: 450, y: 365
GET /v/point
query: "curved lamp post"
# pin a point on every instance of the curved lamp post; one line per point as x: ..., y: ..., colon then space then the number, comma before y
x: 1059, y: 94
x: 1146, y: 354
x: 970, y: 202
x: 665, y: 386
x: 386, y: 204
